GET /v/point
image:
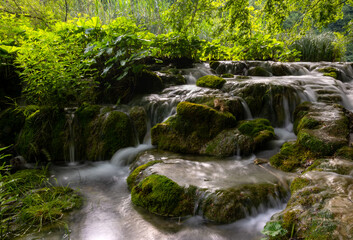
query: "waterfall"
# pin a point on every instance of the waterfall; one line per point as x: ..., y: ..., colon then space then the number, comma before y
x: 70, y: 116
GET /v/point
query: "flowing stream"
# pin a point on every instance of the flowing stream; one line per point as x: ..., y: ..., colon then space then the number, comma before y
x: 108, y: 213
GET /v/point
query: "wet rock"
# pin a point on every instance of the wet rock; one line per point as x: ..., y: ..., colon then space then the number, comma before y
x: 259, y: 71
x: 321, y: 128
x: 214, y: 64
x: 280, y: 69
x: 332, y: 72
x: 291, y: 157
x: 222, y: 191
x: 138, y: 116
x: 109, y: 132
x: 210, y: 81
x: 191, y: 128
x: 259, y: 161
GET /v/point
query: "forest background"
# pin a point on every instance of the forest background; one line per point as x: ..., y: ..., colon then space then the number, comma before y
x: 55, y: 52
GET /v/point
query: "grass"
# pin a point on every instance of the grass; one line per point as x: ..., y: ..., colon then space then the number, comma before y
x: 28, y: 201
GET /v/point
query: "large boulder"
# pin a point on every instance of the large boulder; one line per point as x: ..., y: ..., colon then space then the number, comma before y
x: 221, y: 191
x: 322, y: 128
x: 192, y: 126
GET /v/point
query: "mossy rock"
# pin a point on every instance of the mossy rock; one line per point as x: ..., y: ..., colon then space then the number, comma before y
x: 84, y: 115
x: 44, y: 136
x: 241, y: 77
x: 193, y: 126
x: 259, y: 129
x: 291, y: 157
x: 259, y: 71
x: 345, y: 152
x: 227, y: 75
x: 299, y: 183
x: 170, y: 79
x: 109, y: 133
x: 331, y: 72
x: 320, y: 132
x: 229, y: 205
x: 162, y: 196
x: 148, y: 82
x: 229, y: 143
x: 138, y: 116
x: 134, y: 177
x: 210, y: 81
x: 280, y: 70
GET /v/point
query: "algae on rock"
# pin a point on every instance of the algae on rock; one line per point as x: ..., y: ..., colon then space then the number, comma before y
x: 210, y: 81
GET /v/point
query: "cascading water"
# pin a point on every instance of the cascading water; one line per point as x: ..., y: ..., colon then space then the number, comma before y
x: 70, y: 116
x: 108, y: 212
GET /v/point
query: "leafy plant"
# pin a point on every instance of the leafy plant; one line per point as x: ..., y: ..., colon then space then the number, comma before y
x: 274, y: 229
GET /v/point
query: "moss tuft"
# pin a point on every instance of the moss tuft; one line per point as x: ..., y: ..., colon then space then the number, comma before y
x: 298, y: 183
x: 210, y: 81
x: 160, y: 195
x: 132, y: 178
x: 227, y: 75
x: 291, y: 157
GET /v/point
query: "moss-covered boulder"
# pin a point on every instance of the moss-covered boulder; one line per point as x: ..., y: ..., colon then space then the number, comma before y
x: 259, y: 71
x: 322, y: 128
x: 259, y: 129
x: 248, y: 137
x: 229, y: 205
x: 214, y: 64
x: 192, y: 126
x: 109, y: 132
x: 280, y: 69
x: 210, y: 81
x: 292, y: 156
x: 138, y: 116
x: 148, y: 82
x: 169, y: 78
x: 162, y: 196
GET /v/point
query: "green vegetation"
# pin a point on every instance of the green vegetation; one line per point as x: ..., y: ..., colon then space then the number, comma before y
x: 160, y: 195
x: 29, y: 202
x: 132, y: 179
x: 291, y: 157
x: 210, y: 81
x: 191, y: 128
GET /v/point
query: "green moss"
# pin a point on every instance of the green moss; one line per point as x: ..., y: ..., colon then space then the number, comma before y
x: 345, y: 152
x: 132, y: 178
x: 307, y: 122
x: 229, y: 205
x: 160, y: 195
x: 240, y: 77
x: 290, y: 220
x: 291, y: 157
x: 331, y: 72
x: 298, y: 183
x: 191, y: 128
x: 210, y: 81
x: 259, y: 129
x: 109, y: 133
x: 322, y: 147
x: 227, y: 75
x: 32, y: 202
x: 258, y: 71
x: 321, y: 227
